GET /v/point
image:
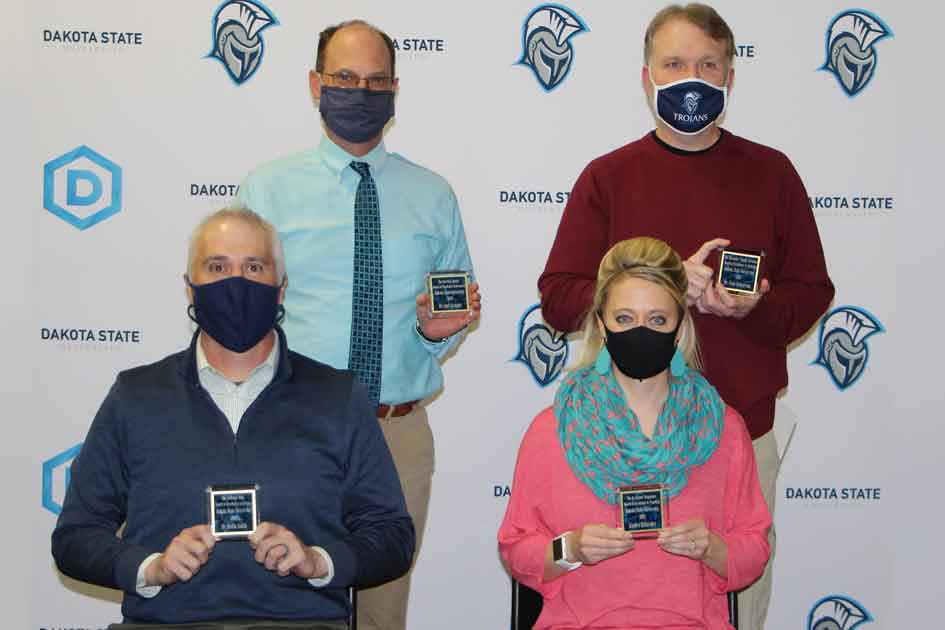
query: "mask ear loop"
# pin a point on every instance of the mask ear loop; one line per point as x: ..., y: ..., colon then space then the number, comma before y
x: 603, y: 362
x: 191, y: 308
x: 678, y: 366
x: 280, y: 314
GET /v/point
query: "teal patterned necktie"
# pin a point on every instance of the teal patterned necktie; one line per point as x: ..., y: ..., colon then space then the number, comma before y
x: 367, y: 291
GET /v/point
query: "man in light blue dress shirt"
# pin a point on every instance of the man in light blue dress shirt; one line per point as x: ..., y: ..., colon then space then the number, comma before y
x: 310, y: 197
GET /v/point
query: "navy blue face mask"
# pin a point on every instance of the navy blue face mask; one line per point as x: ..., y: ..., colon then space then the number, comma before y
x: 356, y: 114
x: 237, y: 313
x: 689, y: 105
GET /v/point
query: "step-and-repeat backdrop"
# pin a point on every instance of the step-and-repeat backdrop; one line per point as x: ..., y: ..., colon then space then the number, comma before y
x: 126, y: 124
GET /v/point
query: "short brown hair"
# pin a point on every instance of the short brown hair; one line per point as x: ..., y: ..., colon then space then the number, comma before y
x: 238, y: 212
x: 328, y: 33
x: 702, y: 16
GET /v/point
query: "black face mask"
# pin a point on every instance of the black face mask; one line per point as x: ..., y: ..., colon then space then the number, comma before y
x: 641, y: 352
x: 237, y: 313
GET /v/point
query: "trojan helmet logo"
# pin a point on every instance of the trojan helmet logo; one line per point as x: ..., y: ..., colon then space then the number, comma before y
x: 837, y: 612
x: 691, y: 101
x: 543, y: 350
x: 546, y: 46
x: 237, y: 40
x: 843, y: 350
x: 851, y: 57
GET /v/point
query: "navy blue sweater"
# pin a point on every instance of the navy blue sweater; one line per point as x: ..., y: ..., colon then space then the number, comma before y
x: 311, y: 442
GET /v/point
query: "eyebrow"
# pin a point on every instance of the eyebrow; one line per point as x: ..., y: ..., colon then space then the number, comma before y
x: 655, y: 311
x: 265, y: 260
x: 375, y: 74
x: 710, y: 56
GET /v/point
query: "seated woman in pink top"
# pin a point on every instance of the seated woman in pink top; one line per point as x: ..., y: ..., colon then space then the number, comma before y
x: 633, y: 414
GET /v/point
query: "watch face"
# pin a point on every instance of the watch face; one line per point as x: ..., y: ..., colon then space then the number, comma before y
x: 557, y: 549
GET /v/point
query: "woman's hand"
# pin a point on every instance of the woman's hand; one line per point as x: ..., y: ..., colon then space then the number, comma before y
x: 593, y: 543
x: 690, y: 539
x: 694, y: 540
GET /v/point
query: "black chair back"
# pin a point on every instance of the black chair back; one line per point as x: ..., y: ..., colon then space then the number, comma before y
x: 526, y: 606
x: 527, y: 603
x: 353, y: 615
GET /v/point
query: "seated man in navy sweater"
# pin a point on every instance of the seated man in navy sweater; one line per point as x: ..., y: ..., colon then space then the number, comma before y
x: 254, y: 484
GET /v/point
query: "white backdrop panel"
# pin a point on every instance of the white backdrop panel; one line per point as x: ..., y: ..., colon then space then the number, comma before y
x: 176, y: 125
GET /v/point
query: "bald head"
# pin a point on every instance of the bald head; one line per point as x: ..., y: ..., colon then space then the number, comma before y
x: 356, y: 34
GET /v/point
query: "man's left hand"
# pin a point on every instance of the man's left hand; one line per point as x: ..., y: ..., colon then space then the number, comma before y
x: 445, y: 326
x: 716, y: 300
x: 280, y: 550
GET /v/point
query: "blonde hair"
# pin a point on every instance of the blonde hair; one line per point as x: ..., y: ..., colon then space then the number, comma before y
x: 652, y: 260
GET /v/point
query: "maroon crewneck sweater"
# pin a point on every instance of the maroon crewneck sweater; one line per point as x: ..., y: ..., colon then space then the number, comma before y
x: 736, y: 189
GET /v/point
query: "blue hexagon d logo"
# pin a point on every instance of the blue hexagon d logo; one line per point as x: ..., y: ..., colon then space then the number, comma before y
x: 56, y: 477
x: 82, y: 187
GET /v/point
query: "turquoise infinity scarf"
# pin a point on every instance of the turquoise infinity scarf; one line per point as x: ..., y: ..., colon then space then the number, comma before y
x: 603, y: 442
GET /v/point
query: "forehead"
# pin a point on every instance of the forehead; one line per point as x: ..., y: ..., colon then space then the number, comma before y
x: 639, y: 295
x: 232, y: 238
x: 680, y: 37
x: 357, y: 47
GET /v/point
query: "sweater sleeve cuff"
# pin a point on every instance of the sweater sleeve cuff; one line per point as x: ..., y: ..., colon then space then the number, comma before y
x: 745, y: 562
x: 141, y: 586
x: 323, y: 581
x: 528, y: 559
x: 343, y: 564
x: 715, y: 582
x: 127, y: 565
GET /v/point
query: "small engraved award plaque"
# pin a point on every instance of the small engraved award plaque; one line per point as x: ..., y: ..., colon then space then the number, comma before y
x: 449, y: 292
x: 740, y: 270
x: 234, y: 512
x: 643, y: 509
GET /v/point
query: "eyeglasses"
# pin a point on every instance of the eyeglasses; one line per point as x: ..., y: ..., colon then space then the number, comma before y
x: 350, y: 80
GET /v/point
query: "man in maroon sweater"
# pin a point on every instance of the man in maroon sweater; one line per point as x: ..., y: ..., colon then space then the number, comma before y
x: 700, y: 188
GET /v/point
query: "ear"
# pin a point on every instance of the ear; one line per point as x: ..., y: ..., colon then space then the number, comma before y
x: 188, y: 290
x: 731, y: 79
x: 396, y: 85
x: 645, y: 80
x: 315, y: 84
x: 285, y: 285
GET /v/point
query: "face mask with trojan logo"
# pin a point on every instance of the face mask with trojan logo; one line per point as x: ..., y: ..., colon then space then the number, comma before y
x: 688, y: 106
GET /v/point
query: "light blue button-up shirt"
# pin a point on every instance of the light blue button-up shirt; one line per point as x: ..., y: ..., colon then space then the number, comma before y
x: 309, y: 197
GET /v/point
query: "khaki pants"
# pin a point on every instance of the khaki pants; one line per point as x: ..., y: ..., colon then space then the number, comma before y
x: 411, y: 443
x: 753, y: 601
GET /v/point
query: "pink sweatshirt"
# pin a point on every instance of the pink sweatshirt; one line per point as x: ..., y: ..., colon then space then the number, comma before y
x: 645, y: 588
